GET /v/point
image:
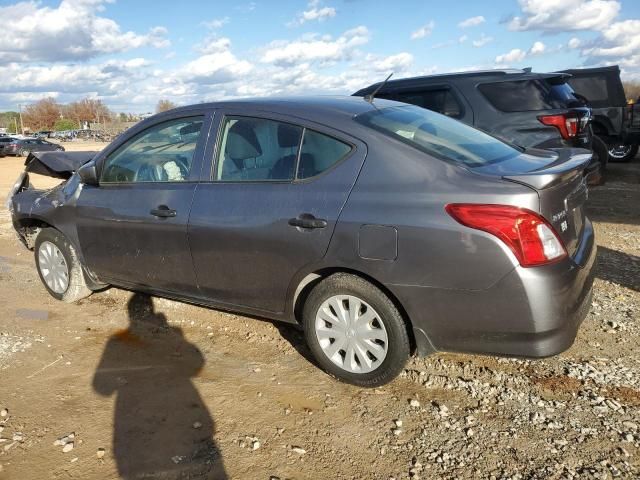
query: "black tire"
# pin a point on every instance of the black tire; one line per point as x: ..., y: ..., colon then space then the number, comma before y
x: 398, y: 345
x: 626, y: 157
x: 77, y: 288
x: 24, y: 153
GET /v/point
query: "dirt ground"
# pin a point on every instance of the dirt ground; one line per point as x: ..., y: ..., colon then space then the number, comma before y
x: 122, y: 386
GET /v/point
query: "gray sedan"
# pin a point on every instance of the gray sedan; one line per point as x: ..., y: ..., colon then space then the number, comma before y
x: 24, y: 146
x: 379, y: 227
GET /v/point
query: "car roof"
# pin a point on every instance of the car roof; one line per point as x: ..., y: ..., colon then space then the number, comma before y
x: 315, y: 108
x: 495, y: 75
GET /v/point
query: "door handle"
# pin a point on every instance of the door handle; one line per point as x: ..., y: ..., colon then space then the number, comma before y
x: 163, y: 212
x: 306, y: 220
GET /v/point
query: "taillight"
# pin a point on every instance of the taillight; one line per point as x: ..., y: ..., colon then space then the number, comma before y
x: 530, y: 237
x: 567, y: 125
x: 12, y: 145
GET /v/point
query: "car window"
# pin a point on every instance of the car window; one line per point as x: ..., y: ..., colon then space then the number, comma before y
x: 320, y: 152
x: 593, y: 88
x: 162, y: 153
x: 438, y: 135
x: 530, y: 95
x: 257, y: 149
x: 440, y: 100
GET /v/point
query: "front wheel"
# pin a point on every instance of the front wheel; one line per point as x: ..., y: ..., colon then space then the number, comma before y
x: 355, y: 332
x: 59, y: 267
x: 621, y: 152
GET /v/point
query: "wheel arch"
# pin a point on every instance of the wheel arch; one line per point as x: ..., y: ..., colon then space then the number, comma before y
x: 419, y: 339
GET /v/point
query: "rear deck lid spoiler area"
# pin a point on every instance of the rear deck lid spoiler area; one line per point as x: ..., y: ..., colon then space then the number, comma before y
x: 569, y: 163
x: 57, y: 164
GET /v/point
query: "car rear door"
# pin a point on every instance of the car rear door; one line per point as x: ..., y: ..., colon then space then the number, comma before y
x: 270, y: 206
x: 132, y: 228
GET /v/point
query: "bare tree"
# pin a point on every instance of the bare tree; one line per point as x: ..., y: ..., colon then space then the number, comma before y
x: 164, y: 105
x: 41, y: 115
x: 88, y: 110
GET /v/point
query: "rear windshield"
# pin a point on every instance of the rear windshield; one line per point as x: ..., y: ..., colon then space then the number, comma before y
x: 438, y: 135
x: 529, y: 95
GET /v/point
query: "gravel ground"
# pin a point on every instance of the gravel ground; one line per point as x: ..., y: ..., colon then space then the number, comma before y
x: 77, y: 380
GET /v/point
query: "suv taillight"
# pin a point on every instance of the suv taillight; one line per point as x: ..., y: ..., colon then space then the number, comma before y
x: 528, y: 235
x: 568, y: 125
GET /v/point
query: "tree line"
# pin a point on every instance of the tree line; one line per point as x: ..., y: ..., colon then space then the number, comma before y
x: 46, y: 114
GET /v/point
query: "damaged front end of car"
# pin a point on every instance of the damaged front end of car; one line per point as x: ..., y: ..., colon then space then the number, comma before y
x: 32, y: 209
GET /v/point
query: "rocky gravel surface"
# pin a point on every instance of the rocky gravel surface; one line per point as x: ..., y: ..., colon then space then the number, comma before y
x: 255, y: 406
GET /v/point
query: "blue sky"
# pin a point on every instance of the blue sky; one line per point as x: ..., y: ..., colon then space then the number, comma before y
x: 132, y: 53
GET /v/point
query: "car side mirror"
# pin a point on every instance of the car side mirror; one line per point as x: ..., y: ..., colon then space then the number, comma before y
x: 88, y: 173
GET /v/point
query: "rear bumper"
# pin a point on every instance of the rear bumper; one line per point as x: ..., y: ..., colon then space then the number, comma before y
x: 532, y: 312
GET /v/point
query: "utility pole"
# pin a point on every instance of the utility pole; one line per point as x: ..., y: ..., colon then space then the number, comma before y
x: 21, y: 124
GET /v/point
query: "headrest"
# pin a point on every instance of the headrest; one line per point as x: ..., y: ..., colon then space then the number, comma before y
x: 191, y: 128
x: 242, y: 142
x: 288, y: 135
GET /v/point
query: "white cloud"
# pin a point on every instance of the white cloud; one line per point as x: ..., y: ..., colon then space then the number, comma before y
x: 72, y: 31
x: 462, y: 39
x: 564, y: 15
x: 394, y: 63
x: 514, y: 56
x: 574, y: 42
x: 482, y: 41
x: 472, y: 22
x: 620, y: 39
x: 537, y: 48
x: 423, y: 31
x: 216, y: 23
x: 217, y: 65
x: 315, y: 12
x: 312, y: 48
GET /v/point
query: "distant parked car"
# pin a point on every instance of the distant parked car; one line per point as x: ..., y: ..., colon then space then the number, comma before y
x: 614, y: 120
x: 5, y: 140
x: 23, y: 146
x: 381, y: 227
x: 532, y: 110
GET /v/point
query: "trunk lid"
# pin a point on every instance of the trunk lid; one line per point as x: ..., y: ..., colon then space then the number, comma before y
x: 557, y: 176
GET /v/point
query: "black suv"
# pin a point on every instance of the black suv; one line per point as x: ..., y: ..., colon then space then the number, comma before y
x: 613, y: 120
x: 532, y: 110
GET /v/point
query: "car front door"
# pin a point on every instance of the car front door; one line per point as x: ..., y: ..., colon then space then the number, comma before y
x: 270, y: 208
x: 132, y: 228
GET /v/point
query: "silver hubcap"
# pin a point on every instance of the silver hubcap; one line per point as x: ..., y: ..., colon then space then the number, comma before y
x: 351, y: 334
x: 620, y: 151
x: 53, y: 267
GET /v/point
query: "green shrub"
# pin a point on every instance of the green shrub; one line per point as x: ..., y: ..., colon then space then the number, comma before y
x: 65, y: 124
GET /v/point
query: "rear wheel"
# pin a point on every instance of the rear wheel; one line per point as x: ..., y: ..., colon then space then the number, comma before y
x: 59, y: 267
x: 621, y: 152
x: 355, y: 331
x: 24, y: 153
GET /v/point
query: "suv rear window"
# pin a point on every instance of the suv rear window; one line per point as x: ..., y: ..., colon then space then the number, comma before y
x: 438, y: 135
x: 439, y: 100
x: 528, y: 95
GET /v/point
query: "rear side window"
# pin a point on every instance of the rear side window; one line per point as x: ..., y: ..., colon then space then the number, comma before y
x: 258, y: 149
x: 529, y: 95
x: 440, y: 100
x: 593, y: 89
x: 319, y: 153
x: 438, y: 135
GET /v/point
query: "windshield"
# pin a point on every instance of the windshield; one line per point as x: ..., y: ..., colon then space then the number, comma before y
x: 438, y: 135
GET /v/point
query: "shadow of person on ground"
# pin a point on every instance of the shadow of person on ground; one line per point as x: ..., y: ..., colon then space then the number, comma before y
x: 162, y: 428
x: 619, y: 267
